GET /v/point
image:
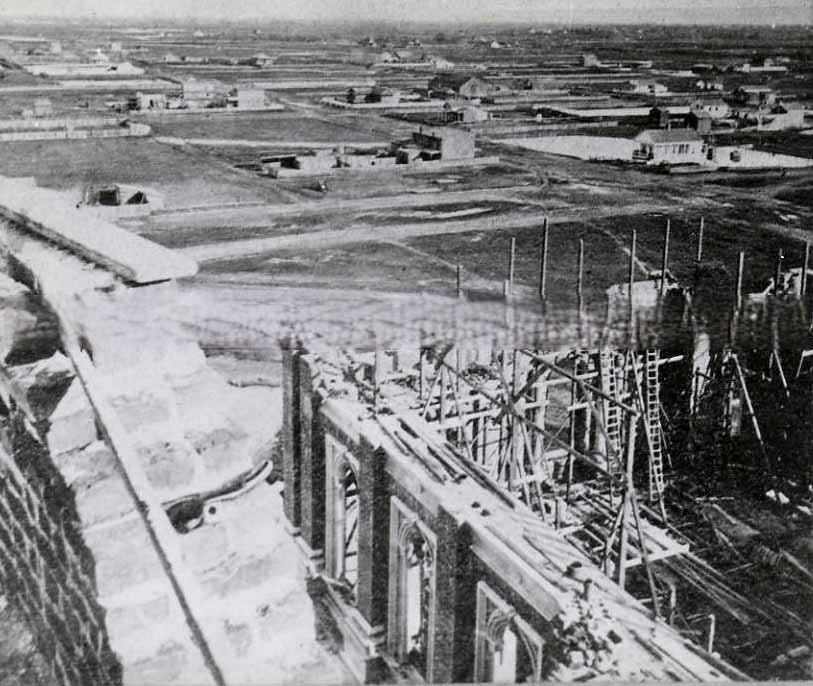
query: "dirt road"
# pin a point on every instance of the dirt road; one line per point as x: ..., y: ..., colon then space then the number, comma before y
x: 259, y: 214
x: 359, y: 233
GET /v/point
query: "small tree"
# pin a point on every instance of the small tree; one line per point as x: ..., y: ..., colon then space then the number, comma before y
x: 351, y: 95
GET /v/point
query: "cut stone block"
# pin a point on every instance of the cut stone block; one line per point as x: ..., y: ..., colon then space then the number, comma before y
x: 124, y: 556
x: 73, y: 422
x: 28, y: 331
x: 169, y: 465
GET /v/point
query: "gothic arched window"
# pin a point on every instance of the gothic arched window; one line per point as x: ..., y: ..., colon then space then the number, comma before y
x: 412, y: 590
x: 507, y: 649
x: 342, y: 518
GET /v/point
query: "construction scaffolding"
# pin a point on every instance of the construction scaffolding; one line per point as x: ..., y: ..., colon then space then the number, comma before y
x: 560, y: 433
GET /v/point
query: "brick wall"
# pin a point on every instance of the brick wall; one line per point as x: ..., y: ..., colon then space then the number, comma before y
x: 291, y: 441
x: 312, y: 460
x: 46, y: 569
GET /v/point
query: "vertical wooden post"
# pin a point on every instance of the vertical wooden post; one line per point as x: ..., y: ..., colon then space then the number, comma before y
x: 580, y: 280
x: 629, y: 494
x: 777, y: 279
x: 442, y: 387
x: 665, y: 258
x: 733, y: 322
x: 459, y: 279
x: 543, y: 262
x: 805, y: 267
x: 377, y: 374
x: 633, y: 240
x: 740, y: 272
x: 699, y: 255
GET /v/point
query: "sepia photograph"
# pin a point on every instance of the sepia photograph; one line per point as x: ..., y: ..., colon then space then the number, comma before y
x: 356, y: 342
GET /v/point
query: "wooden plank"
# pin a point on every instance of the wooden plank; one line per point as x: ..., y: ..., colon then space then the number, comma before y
x: 52, y: 215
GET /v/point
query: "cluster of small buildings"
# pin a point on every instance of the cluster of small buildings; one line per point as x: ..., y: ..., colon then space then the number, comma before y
x: 413, y: 60
x: 750, y: 107
x: 258, y: 60
x: 95, y: 69
x: 428, y: 144
x: 768, y: 66
x: 53, y: 61
x: 590, y: 61
x: 202, y: 94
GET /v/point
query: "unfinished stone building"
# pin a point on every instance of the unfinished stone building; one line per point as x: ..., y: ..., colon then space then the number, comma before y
x: 447, y: 514
x: 524, y: 514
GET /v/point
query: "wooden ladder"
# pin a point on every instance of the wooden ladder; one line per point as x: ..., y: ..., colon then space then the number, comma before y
x: 652, y: 421
x: 612, y: 412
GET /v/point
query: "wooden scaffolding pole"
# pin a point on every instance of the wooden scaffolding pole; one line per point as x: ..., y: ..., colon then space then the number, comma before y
x: 626, y: 505
x: 664, y: 260
x: 543, y: 262
x: 512, y: 256
x: 631, y: 330
x: 749, y: 405
x: 777, y: 279
x: 580, y: 280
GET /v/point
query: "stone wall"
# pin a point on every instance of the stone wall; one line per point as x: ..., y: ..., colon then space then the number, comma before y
x: 577, y: 624
x: 76, y: 556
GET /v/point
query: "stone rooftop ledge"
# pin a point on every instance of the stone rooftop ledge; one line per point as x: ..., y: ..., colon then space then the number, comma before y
x: 53, y: 215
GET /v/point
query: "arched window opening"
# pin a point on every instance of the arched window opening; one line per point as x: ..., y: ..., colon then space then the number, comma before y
x: 419, y: 568
x: 342, y: 520
x: 412, y: 592
x: 350, y: 533
x: 507, y: 649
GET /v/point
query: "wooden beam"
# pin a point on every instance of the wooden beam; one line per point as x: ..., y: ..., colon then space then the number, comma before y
x: 665, y: 259
x: 459, y: 280
x: 633, y: 239
x: 777, y: 279
x: 543, y: 261
x: 552, y: 438
x: 580, y: 380
x: 580, y: 279
x: 740, y: 272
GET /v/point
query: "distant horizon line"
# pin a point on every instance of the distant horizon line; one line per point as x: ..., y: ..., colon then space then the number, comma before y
x: 213, y: 20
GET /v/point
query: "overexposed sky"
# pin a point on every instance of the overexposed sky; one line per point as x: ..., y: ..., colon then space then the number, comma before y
x: 682, y: 11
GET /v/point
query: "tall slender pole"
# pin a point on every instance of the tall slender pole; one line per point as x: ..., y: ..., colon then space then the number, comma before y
x: 777, y: 279
x: 805, y: 267
x: 543, y: 261
x: 633, y: 240
x: 665, y: 259
x: 699, y: 255
x: 580, y: 280
x: 735, y: 315
x: 512, y: 255
x: 740, y: 272
x: 459, y: 277
x: 629, y: 494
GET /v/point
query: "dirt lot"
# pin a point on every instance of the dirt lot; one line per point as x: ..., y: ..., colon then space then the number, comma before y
x: 185, y: 176
x: 271, y: 126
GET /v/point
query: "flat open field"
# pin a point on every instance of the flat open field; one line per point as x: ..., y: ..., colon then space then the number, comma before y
x: 271, y: 126
x: 185, y: 177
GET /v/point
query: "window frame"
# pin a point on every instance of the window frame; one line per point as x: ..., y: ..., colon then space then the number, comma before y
x: 490, y: 629
x: 402, y: 522
x: 337, y: 457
